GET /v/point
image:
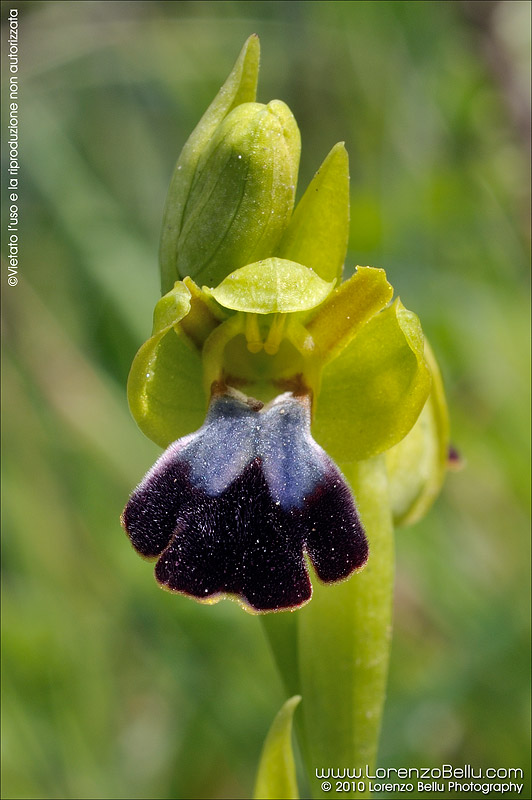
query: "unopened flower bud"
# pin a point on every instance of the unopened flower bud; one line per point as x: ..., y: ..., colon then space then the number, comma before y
x: 242, y: 194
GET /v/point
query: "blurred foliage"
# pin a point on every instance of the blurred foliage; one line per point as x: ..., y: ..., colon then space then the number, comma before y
x: 112, y: 688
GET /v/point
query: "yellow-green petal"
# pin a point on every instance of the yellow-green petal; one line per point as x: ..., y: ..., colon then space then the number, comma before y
x: 373, y: 393
x: 274, y: 285
x: 276, y: 776
x: 347, y: 309
x: 319, y: 229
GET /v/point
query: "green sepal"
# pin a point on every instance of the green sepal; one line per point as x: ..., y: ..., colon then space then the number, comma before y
x: 240, y: 87
x: 417, y: 464
x: 319, y: 229
x: 271, y: 286
x: 348, y: 308
x: 373, y: 393
x: 276, y: 776
x: 165, y: 387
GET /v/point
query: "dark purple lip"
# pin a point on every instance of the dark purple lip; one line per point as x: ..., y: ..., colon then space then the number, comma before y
x: 232, y: 508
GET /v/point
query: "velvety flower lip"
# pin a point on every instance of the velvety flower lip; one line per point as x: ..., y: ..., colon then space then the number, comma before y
x: 232, y: 508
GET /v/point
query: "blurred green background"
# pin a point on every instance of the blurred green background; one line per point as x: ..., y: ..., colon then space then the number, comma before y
x: 111, y: 687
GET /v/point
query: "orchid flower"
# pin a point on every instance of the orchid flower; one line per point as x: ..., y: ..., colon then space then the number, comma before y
x: 264, y: 370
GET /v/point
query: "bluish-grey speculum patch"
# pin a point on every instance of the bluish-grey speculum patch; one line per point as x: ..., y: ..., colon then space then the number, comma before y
x: 233, y: 507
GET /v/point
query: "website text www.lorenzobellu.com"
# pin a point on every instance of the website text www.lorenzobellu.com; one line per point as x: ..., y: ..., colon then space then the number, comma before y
x: 496, y: 780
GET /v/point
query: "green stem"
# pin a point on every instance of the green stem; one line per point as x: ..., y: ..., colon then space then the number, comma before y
x: 339, y: 662
x: 344, y: 643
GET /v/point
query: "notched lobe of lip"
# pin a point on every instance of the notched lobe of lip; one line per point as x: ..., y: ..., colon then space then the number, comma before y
x: 232, y: 509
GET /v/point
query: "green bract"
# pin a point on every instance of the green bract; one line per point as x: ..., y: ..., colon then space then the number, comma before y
x: 318, y: 231
x: 276, y: 776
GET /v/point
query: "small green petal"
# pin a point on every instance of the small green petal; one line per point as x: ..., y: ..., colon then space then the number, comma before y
x: 347, y: 309
x: 417, y: 464
x: 240, y: 87
x: 171, y: 308
x: 373, y: 393
x: 318, y: 231
x: 276, y: 777
x: 274, y: 285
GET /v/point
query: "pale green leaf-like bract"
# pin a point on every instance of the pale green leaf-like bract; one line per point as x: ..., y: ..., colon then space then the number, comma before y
x: 276, y: 776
